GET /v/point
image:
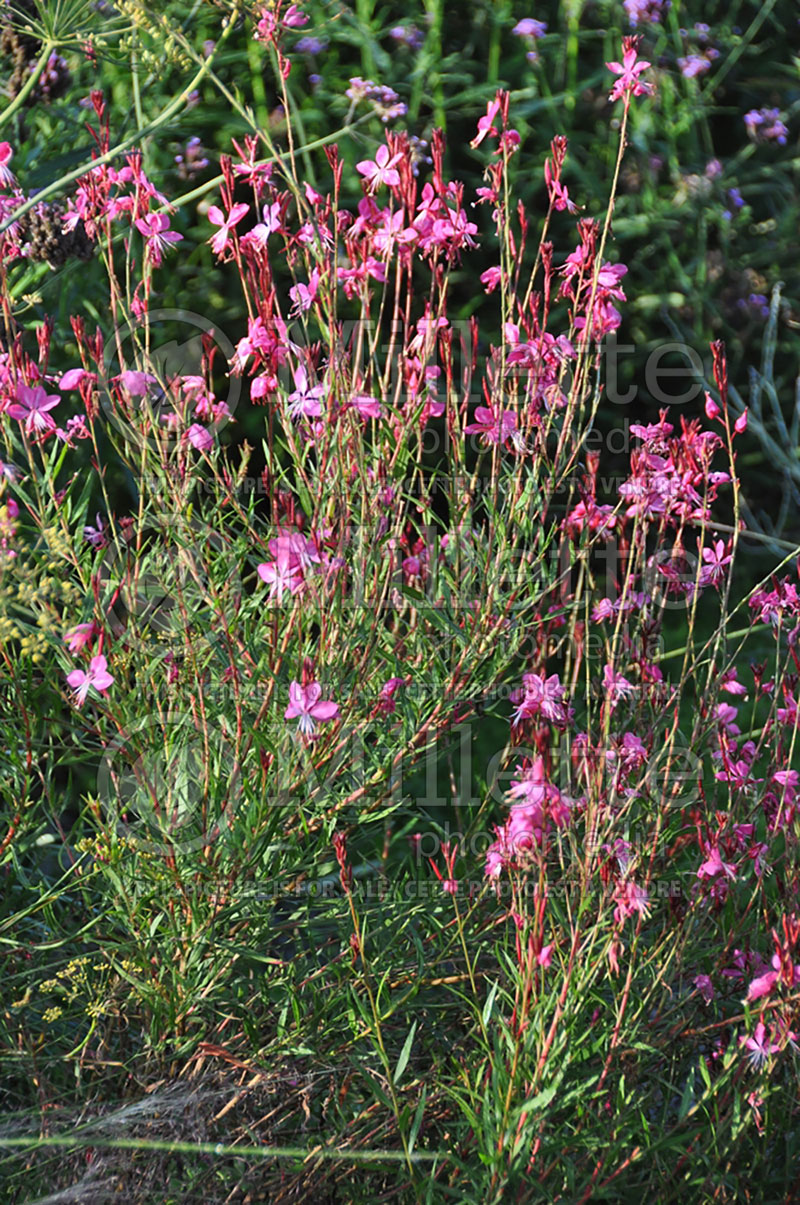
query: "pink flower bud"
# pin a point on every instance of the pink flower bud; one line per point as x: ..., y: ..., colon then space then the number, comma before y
x: 741, y: 423
x: 712, y: 409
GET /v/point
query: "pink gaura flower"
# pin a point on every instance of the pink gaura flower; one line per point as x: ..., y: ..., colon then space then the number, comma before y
x: 714, y: 865
x: 32, y: 406
x: 294, y: 17
x: 6, y: 174
x: 135, y: 383
x: 304, y: 295
x: 485, y: 126
x: 98, y: 678
x: 759, y: 1045
x: 96, y: 536
x: 541, y: 696
x: 616, y: 686
x: 77, y: 638
x: 491, y: 278
x: 493, y: 429
x: 629, y: 71
x: 705, y: 987
x: 200, y: 437
x: 729, y: 683
x: 74, y: 376
x: 308, y: 708
x: 306, y: 399
x: 366, y: 405
x: 381, y: 170
x: 285, y: 573
x: 158, y: 237
x: 762, y: 985
x: 630, y: 898
x: 221, y: 241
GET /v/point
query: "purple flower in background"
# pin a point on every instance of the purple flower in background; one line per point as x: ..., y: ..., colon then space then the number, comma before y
x: 765, y: 125
x: 529, y: 28
x: 694, y: 65
x: 407, y: 35
x: 310, y: 45
x: 96, y: 536
x: 756, y: 305
x: 645, y: 12
x: 192, y: 160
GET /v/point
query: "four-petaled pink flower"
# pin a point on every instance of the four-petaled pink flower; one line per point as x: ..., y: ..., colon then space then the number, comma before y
x: 380, y: 171
x: 629, y: 71
x: 716, y: 558
x: 492, y: 428
x: 759, y: 1045
x: 222, y: 239
x: 304, y: 295
x: 308, y: 708
x: 281, y: 575
x: 306, y: 399
x: 616, y: 686
x: 31, y: 407
x: 155, y: 230
x: 97, y: 677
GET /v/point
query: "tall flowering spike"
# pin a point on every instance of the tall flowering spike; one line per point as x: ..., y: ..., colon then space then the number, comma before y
x: 629, y: 71
x: 345, y: 869
x: 559, y: 197
x: 720, y: 370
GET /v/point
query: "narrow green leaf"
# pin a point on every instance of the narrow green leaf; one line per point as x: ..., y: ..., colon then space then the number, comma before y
x: 405, y: 1054
x: 417, y: 1122
x: 489, y: 1005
